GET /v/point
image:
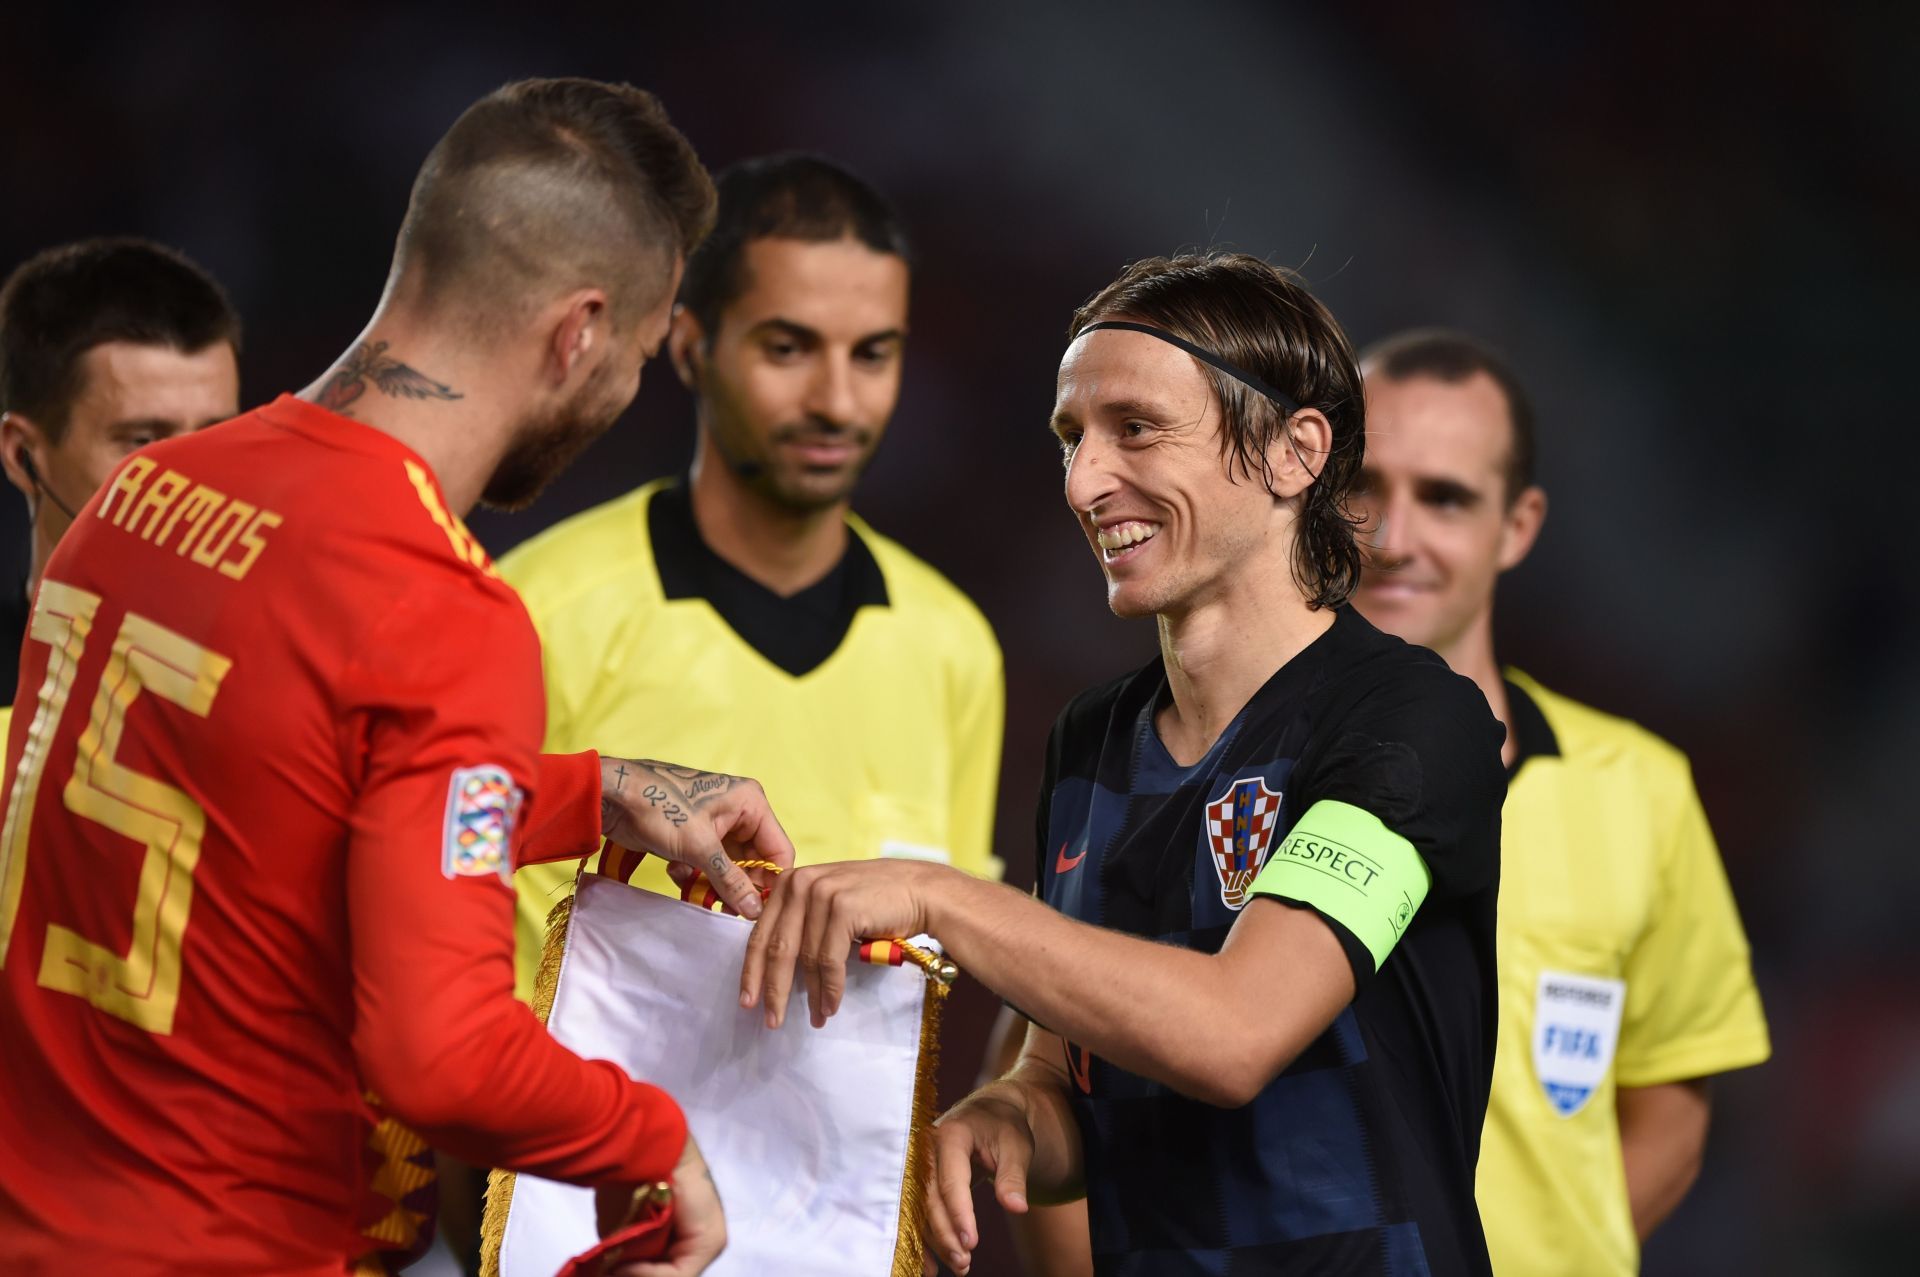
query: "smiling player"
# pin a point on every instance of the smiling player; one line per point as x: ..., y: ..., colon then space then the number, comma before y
x: 1262, y: 976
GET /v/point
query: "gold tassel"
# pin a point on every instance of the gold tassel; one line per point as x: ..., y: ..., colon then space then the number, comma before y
x: 908, y: 1249
x: 493, y: 1223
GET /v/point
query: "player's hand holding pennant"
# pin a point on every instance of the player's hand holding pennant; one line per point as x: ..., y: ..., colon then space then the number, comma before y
x: 809, y: 1134
x: 706, y: 821
x: 818, y: 918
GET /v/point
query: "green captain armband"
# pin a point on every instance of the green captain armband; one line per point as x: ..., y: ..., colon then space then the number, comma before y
x: 1341, y: 860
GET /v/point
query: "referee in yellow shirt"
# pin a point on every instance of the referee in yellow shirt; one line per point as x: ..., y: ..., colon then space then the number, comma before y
x: 740, y: 617
x: 1624, y: 975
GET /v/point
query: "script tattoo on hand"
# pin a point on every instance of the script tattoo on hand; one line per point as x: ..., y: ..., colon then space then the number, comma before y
x: 369, y: 361
x: 696, y: 786
x: 708, y: 783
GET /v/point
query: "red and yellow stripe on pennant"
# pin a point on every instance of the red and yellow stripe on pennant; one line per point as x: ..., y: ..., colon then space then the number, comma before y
x: 883, y: 953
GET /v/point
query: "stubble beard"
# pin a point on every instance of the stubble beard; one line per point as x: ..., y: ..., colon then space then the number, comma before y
x: 543, y: 448
x: 759, y: 468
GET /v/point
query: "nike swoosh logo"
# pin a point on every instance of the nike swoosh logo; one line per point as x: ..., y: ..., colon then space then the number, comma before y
x: 1062, y: 864
x: 1080, y: 1064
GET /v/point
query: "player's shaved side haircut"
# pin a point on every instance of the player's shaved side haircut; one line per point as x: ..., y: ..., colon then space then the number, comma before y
x: 1451, y: 357
x: 61, y: 303
x: 548, y: 185
x: 786, y: 196
x: 1261, y: 319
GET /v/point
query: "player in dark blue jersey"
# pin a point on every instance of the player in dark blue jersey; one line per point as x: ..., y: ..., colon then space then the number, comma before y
x: 1262, y: 979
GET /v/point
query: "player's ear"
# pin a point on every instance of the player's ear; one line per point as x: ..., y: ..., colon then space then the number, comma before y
x: 1298, y: 450
x: 685, y: 339
x: 578, y: 330
x: 1520, y: 526
x: 18, y: 439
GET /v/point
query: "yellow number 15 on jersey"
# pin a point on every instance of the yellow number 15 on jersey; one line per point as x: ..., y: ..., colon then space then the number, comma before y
x: 141, y: 986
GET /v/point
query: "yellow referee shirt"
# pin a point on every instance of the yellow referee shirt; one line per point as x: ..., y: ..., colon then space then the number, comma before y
x: 1622, y: 963
x: 869, y: 707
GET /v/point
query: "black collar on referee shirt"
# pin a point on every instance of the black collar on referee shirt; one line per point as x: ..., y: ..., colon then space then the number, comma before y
x: 797, y: 633
x: 1532, y: 734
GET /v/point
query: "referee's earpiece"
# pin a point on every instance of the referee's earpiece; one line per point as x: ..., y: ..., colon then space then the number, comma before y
x: 40, y: 485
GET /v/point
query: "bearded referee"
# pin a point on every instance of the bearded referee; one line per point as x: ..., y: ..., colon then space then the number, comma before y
x: 283, y: 756
x: 741, y: 616
x: 1261, y: 971
x: 1625, y: 983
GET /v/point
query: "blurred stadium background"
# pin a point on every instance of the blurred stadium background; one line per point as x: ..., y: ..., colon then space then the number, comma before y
x: 1692, y: 226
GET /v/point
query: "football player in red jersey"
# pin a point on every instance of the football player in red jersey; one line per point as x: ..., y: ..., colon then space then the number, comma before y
x: 277, y: 756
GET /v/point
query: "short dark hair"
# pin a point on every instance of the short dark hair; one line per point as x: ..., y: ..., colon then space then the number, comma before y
x: 1452, y: 357
x: 787, y: 196
x: 61, y: 303
x: 1261, y: 319
x: 555, y: 183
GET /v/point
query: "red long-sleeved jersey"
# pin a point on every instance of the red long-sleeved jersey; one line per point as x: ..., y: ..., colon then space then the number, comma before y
x: 275, y: 742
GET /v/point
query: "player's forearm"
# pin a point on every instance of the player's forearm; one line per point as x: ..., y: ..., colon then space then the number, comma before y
x: 1153, y: 1009
x: 506, y: 1094
x: 1663, y: 1137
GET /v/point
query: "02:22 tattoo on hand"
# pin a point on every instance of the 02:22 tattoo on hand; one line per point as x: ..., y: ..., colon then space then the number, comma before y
x: 658, y: 797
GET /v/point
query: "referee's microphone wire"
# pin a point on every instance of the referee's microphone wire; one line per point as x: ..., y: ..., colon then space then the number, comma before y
x: 40, y: 486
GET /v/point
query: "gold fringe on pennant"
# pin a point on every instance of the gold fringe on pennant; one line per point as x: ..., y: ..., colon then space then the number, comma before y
x: 909, y: 1249
x: 493, y: 1223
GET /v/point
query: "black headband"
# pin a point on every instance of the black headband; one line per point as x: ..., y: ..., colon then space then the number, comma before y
x: 1203, y: 355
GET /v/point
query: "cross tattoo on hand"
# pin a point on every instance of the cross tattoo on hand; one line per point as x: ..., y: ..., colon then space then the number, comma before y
x: 620, y: 776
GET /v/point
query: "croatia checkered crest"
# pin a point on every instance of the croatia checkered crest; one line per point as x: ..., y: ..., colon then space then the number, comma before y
x: 1240, y: 828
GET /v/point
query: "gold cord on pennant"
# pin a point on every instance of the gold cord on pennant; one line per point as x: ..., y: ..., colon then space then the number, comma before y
x: 909, y: 1248
x: 493, y: 1223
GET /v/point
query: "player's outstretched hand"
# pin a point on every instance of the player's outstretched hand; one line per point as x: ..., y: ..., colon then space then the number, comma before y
x: 706, y: 820
x: 989, y: 1130
x: 817, y: 915
x: 699, y: 1223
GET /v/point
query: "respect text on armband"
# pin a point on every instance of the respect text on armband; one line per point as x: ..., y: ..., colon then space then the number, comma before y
x: 1332, y: 859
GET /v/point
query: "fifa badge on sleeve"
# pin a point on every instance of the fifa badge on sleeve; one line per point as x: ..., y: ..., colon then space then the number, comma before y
x: 482, y: 805
x: 1576, y: 1024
